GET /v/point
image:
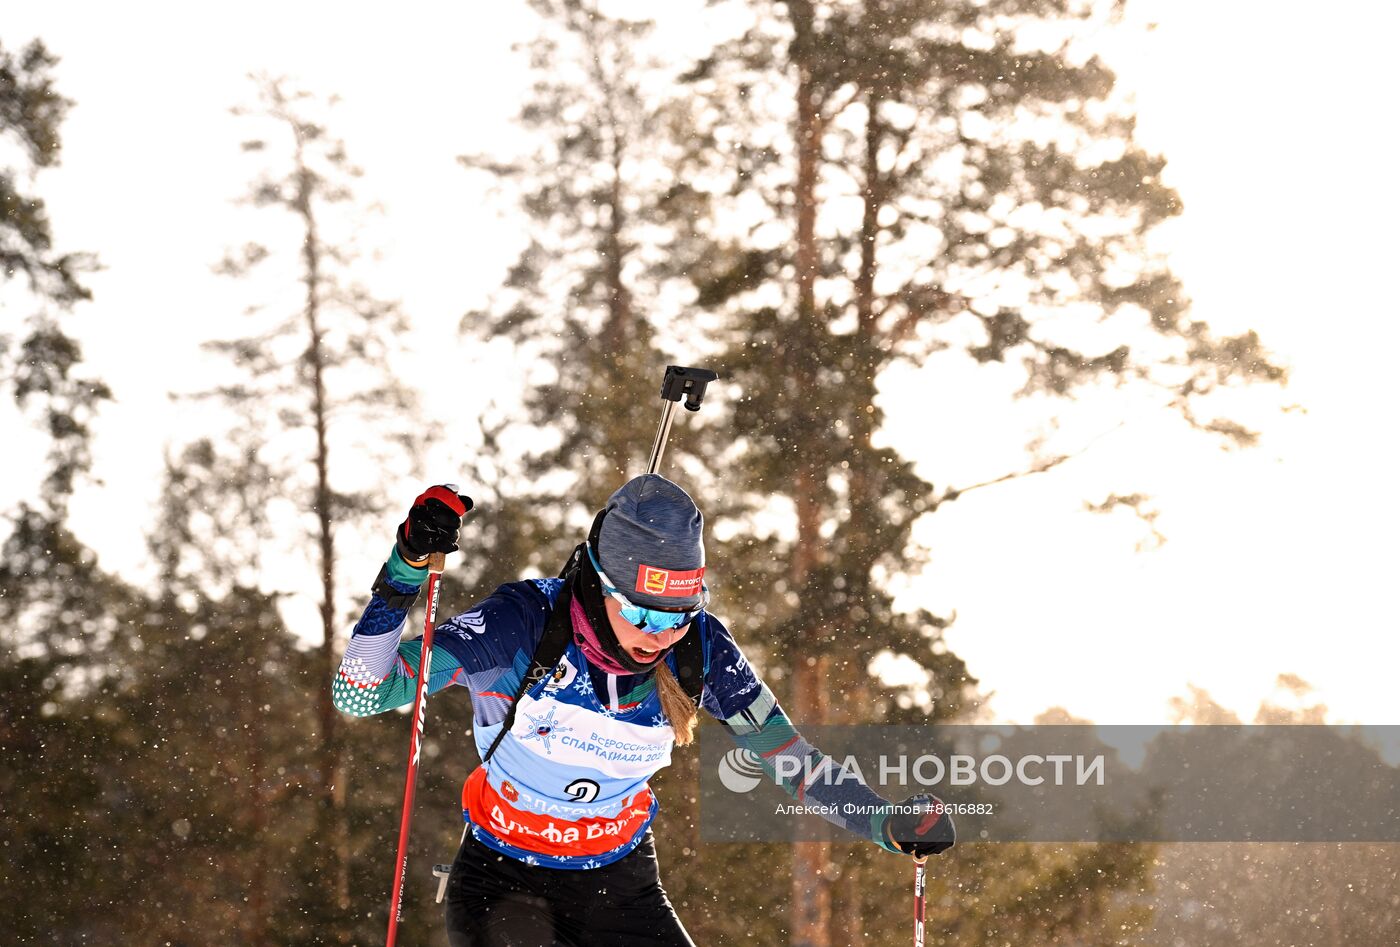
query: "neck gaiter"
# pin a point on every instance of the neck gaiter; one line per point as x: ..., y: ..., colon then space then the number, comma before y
x: 587, y: 640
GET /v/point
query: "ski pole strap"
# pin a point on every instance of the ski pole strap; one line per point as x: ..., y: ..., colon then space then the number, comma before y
x: 391, y: 596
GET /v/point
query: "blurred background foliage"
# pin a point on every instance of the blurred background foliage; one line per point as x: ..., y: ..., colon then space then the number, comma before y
x: 834, y: 192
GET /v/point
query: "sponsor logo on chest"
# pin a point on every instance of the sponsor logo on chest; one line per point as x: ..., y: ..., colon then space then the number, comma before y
x: 556, y: 729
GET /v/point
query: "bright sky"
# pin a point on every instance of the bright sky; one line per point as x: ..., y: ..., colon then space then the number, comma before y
x: 1278, y: 559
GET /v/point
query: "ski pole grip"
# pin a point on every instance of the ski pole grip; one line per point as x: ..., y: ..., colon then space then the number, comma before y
x: 437, y: 563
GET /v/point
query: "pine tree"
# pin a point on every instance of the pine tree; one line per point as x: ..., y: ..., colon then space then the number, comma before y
x: 67, y: 756
x: 38, y: 359
x: 852, y: 196
x: 588, y: 297
x: 63, y: 620
x: 310, y: 379
x: 921, y: 172
x: 224, y: 684
x: 583, y: 298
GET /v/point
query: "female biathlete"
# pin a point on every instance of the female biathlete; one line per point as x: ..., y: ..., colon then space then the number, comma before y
x: 580, y: 685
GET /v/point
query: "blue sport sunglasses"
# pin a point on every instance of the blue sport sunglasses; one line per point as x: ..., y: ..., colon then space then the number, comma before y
x: 653, y: 621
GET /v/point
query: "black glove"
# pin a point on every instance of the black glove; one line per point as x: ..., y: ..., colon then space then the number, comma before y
x: 921, y: 827
x: 432, y: 523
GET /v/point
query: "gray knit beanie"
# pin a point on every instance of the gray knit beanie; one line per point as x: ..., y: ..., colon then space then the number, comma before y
x: 651, y: 544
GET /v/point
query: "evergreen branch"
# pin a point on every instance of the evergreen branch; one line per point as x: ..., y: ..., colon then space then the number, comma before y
x: 1040, y: 467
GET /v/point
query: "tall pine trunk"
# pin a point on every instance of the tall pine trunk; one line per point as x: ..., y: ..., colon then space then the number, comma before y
x: 333, y: 831
x: 618, y: 330
x: 811, y: 896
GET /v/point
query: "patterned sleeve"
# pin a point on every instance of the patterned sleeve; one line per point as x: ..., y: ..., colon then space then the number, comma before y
x: 736, y: 697
x: 379, y: 670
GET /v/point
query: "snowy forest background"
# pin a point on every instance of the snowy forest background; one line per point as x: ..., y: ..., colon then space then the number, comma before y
x: 835, y: 202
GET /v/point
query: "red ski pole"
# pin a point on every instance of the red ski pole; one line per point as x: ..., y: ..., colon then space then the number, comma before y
x: 919, y: 901
x: 436, y: 563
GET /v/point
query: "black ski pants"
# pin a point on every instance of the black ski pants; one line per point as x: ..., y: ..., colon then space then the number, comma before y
x: 496, y: 901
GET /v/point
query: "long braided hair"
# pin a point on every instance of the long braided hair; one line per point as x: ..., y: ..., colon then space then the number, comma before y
x: 677, y: 707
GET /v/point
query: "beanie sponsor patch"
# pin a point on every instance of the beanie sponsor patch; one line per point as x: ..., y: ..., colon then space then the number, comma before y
x: 670, y: 583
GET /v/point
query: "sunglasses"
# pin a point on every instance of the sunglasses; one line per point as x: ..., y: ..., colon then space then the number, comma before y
x: 653, y: 621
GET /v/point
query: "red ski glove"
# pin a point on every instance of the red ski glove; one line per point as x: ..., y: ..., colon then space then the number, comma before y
x: 432, y: 524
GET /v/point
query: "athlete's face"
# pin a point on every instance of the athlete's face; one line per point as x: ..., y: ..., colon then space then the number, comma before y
x: 639, y: 645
